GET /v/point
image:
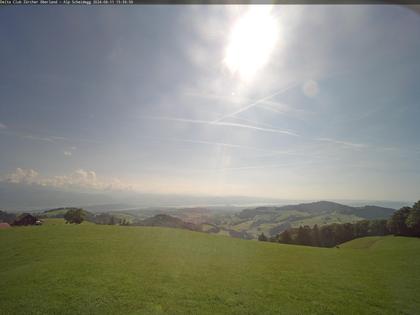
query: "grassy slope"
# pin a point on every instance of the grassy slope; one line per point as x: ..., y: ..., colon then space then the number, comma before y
x: 68, y: 269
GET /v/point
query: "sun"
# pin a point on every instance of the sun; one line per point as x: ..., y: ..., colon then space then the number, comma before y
x: 251, y: 42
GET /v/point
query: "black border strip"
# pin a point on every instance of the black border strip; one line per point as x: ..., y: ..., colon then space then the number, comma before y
x: 210, y: 2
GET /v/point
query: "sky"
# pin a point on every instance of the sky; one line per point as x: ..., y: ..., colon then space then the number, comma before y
x: 297, y: 102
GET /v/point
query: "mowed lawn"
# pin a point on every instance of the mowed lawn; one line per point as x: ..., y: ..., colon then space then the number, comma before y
x: 92, y: 269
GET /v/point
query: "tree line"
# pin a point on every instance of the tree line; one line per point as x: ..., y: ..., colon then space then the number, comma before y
x: 72, y: 216
x: 78, y: 215
x: 404, y: 222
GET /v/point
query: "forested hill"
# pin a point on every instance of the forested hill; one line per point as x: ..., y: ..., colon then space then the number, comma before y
x: 272, y: 220
x: 323, y: 207
x: 164, y: 220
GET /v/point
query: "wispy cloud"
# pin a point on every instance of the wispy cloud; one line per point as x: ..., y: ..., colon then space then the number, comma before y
x: 2, y: 126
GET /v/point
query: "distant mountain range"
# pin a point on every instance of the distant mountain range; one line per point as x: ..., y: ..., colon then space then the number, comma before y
x: 323, y: 207
x: 30, y: 197
x: 226, y: 215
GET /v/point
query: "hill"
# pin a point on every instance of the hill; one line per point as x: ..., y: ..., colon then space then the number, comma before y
x: 59, y: 212
x: 69, y: 269
x: 272, y: 220
x: 321, y: 207
x: 164, y: 220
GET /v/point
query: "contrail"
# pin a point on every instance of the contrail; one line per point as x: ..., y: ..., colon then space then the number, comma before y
x: 286, y: 132
x: 344, y: 143
x: 227, y: 124
x: 262, y: 166
x: 47, y: 138
x: 223, y: 144
x: 253, y: 122
x: 255, y: 103
x: 266, y: 104
x: 192, y: 121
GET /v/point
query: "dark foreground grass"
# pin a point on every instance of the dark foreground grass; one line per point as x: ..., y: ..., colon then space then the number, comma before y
x: 89, y: 269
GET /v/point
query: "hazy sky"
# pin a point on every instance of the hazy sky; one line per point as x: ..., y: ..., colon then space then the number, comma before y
x: 287, y: 101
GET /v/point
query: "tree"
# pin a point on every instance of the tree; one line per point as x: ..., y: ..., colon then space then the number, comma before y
x: 74, y: 216
x: 304, y: 236
x: 262, y: 237
x: 361, y: 228
x: 7, y: 217
x: 25, y: 219
x: 327, y: 236
x: 413, y: 219
x: 378, y: 227
x: 285, y: 237
x: 397, y: 223
x: 316, y: 240
x: 343, y: 232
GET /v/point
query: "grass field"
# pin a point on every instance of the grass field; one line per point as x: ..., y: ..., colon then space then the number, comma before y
x: 92, y: 269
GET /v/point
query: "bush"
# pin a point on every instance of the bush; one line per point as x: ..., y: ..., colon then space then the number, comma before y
x: 74, y: 216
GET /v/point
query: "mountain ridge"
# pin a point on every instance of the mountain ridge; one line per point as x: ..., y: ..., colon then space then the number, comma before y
x: 366, y: 212
x: 272, y: 220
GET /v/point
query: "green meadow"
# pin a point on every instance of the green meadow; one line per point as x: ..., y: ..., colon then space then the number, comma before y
x: 94, y: 269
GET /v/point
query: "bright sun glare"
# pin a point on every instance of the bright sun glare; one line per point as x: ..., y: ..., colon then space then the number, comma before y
x: 251, y: 42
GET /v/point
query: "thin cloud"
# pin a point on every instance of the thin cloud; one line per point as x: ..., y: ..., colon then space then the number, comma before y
x: 3, y: 126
